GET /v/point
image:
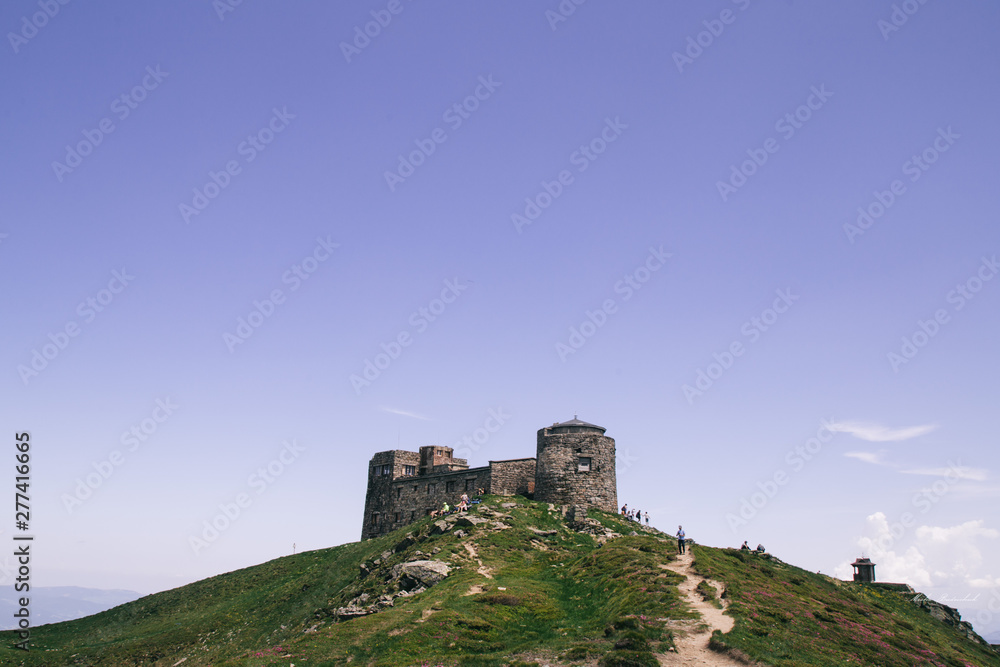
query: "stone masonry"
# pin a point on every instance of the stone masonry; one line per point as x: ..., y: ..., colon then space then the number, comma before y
x: 575, y: 465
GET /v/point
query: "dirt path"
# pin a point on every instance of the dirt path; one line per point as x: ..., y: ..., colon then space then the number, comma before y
x: 691, y: 637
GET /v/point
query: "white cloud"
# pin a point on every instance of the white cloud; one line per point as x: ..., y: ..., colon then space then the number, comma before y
x: 403, y: 413
x: 933, y: 557
x: 867, y: 457
x: 956, y: 472
x: 876, y: 433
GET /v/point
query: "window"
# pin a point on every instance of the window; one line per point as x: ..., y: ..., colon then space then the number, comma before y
x: 412, y: 514
x: 414, y: 488
x: 584, y: 464
x: 431, y: 488
x: 375, y: 518
x: 397, y: 517
x: 470, y: 484
x: 449, y: 487
x: 409, y: 470
x: 383, y: 470
x: 399, y: 492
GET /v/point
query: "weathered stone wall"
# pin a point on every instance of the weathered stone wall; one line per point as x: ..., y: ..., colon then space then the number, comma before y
x: 413, y: 498
x: 378, y: 499
x: 558, y: 478
x: 512, y: 478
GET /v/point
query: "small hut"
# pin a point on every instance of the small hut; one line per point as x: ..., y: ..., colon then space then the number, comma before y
x: 864, y: 570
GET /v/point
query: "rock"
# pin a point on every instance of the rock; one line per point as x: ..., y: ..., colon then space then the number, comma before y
x: 543, y: 533
x: 451, y: 518
x: 386, y: 555
x: 405, y: 543
x: 472, y: 521
x: 353, y: 612
x: 576, y: 513
x: 440, y: 527
x: 498, y: 525
x: 508, y: 505
x: 364, y: 571
x: 436, y: 550
x: 633, y: 534
x: 459, y: 533
x: 424, y: 573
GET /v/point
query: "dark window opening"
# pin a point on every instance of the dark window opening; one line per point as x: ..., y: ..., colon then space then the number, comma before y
x: 584, y: 464
x: 449, y: 487
x: 409, y: 470
x: 397, y: 517
x: 399, y: 491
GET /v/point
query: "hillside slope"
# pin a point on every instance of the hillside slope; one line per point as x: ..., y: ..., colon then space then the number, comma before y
x: 511, y: 582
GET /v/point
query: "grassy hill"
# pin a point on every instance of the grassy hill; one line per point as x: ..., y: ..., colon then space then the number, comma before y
x: 523, y: 587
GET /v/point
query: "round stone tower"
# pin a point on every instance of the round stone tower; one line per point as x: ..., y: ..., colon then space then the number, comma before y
x: 576, y: 466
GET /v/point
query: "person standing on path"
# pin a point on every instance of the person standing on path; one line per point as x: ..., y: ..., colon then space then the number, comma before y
x: 647, y: 517
x: 680, y: 539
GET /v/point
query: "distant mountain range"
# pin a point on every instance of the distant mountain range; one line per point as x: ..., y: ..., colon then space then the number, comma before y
x: 52, y: 604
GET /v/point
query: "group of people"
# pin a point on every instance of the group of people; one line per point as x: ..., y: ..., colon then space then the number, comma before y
x: 746, y: 547
x: 634, y: 515
x: 463, y: 505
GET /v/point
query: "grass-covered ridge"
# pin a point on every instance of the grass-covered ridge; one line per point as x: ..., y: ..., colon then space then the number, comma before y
x: 786, y: 616
x: 552, y: 595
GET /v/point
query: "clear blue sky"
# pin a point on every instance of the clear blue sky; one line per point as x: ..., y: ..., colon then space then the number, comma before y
x: 169, y: 170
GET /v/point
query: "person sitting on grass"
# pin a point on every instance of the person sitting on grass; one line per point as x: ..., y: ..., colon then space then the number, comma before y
x: 446, y: 508
x: 463, y: 503
x: 745, y: 547
x: 760, y: 549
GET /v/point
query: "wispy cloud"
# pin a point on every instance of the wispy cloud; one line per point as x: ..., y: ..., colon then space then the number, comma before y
x: 867, y: 457
x: 975, y: 474
x: 404, y: 413
x: 876, y: 433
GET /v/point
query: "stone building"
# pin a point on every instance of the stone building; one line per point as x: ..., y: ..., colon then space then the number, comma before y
x: 575, y: 464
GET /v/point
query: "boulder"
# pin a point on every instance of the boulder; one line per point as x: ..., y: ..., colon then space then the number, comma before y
x: 508, y: 505
x: 576, y: 513
x: 440, y: 527
x: 471, y: 521
x: 543, y: 533
x: 424, y: 573
x: 405, y: 543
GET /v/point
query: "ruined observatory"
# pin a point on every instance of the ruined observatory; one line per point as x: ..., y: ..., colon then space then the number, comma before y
x: 574, y: 465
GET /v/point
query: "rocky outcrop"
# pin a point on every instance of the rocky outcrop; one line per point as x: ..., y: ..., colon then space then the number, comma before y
x: 420, y: 573
x: 948, y: 616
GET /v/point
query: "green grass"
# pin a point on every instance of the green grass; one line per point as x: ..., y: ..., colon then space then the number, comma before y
x: 787, y: 616
x: 562, y: 599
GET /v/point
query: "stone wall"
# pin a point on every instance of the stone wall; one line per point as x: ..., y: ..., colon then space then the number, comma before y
x: 558, y: 475
x: 378, y: 500
x: 512, y: 478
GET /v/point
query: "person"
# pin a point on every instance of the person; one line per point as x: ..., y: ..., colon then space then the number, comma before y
x: 745, y: 547
x: 636, y: 515
x: 680, y: 539
x: 446, y: 508
x: 463, y: 503
x: 625, y: 509
x: 647, y: 517
x: 760, y: 549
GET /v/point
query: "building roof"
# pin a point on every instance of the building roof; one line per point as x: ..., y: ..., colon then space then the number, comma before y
x: 863, y: 561
x: 579, y: 424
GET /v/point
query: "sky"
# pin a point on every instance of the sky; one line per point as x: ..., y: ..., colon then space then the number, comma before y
x: 246, y: 245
